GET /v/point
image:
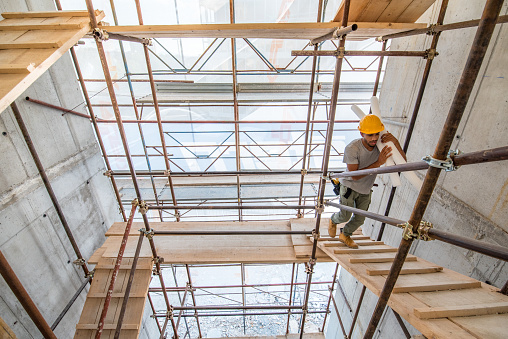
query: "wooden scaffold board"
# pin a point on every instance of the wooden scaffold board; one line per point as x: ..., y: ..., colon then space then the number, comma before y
x: 439, y: 302
x: 33, y: 41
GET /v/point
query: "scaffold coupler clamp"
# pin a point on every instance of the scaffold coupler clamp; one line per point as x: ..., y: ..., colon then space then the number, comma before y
x: 430, y: 54
x: 99, y: 34
x: 341, y: 51
x: 170, y: 312
x: 148, y: 234
x: 158, y: 260
x: 320, y: 208
x: 327, y: 176
x: 407, y: 231
x: 147, y: 42
x: 143, y: 207
x: 446, y: 164
x: 90, y: 274
x: 309, y: 267
x: 108, y: 174
x: 315, y: 235
x: 431, y: 30
x: 167, y: 173
x: 303, y: 171
x: 423, y: 231
x: 452, y: 154
x: 135, y: 202
x: 79, y: 262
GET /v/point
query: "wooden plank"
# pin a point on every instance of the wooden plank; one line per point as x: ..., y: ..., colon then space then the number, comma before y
x: 377, y: 258
x: 367, y: 249
x: 26, y: 27
x: 17, y: 68
x: 5, y: 331
x: 358, y: 242
x: 116, y: 295
x: 405, y: 270
x: 400, y: 11
x: 30, y: 45
x: 449, y: 285
x: 301, y: 30
x: 354, y: 237
x: 107, y: 326
x: 493, y: 326
x: 47, y: 14
x: 461, y: 310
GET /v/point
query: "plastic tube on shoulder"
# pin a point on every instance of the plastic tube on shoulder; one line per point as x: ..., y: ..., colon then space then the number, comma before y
x: 394, y: 177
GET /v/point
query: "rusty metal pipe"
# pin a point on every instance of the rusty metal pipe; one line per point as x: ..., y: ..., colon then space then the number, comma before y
x: 214, y: 173
x: 416, y: 109
x: 491, y: 250
x: 467, y: 81
x: 229, y: 207
x: 123, y: 309
x: 58, y: 108
x: 116, y: 36
x: 193, y: 299
x: 239, y: 314
x: 47, y: 184
x: 158, y: 289
x: 478, y: 157
x: 337, y: 33
x: 358, y: 306
x: 326, y: 159
x: 335, y: 53
x: 438, y: 28
x: 19, y: 291
x: 116, y: 269
x: 229, y: 232
x: 70, y: 303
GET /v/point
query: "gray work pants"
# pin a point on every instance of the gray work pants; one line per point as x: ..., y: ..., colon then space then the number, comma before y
x: 356, y: 200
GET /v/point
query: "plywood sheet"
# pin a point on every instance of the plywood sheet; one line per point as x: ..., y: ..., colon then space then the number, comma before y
x: 35, y: 41
x: 406, y: 11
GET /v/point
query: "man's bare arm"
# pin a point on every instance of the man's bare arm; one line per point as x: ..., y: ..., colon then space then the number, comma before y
x: 385, y: 153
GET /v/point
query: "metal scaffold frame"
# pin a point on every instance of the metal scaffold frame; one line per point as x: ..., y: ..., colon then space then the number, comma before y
x: 485, y: 25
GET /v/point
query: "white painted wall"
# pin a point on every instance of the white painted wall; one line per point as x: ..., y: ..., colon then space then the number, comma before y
x: 472, y: 201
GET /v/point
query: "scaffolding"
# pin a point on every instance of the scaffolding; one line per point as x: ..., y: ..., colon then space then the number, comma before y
x: 435, y: 164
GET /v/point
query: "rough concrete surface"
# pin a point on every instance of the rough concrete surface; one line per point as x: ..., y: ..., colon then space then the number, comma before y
x: 472, y: 201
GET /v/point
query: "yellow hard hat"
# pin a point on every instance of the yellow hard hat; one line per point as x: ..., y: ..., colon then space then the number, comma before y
x: 371, y: 124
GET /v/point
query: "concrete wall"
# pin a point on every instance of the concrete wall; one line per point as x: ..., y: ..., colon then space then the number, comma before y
x: 31, y: 235
x: 472, y: 201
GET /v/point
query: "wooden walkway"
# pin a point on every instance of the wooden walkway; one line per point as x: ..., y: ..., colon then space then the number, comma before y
x: 439, y: 302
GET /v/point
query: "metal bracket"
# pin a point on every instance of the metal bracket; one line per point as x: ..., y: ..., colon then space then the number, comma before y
x: 135, y: 202
x: 303, y: 171
x: 79, y: 262
x: 447, y: 164
x: 430, y: 54
x: 327, y: 176
x: 341, y: 51
x: 422, y: 232
x: 157, y: 260
x: 90, y: 274
x: 319, y: 208
x: 148, y: 234
x: 99, y: 34
x: 108, y: 174
x: 147, y: 42
x: 170, y: 312
x: 143, y: 208
x: 431, y: 29
x: 167, y: 173
x: 315, y: 235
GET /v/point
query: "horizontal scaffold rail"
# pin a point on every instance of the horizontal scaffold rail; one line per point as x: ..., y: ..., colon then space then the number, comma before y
x: 492, y: 250
x: 495, y: 154
x: 360, y: 53
x: 228, y: 207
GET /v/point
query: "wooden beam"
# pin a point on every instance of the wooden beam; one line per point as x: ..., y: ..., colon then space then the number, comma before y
x: 405, y: 270
x: 30, y: 45
x: 47, y: 14
x: 16, y: 68
x: 107, y: 326
x: 461, y: 310
x: 383, y: 258
x: 26, y: 27
x: 304, y: 30
x: 370, y: 249
x: 439, y: 286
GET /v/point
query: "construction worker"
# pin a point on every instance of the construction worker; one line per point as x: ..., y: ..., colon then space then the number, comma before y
x: 356, y: 191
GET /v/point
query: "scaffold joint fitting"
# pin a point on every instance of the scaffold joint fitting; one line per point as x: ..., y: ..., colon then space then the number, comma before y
x: 148, y: 234
x: 430, y: 54
x: 341, y: 51
x: 170, y: 312
x: 90, y: 274
x: 143, y: 207
x: 407, y: 232
x: 315, y: 235
x: 319, y: 208
x: 99, y: 34
x: 431, y: 29
x: 135, y: 202
x: 303, y: 171
x: 446, y: 164
x: 327, y: 176
x: 158, y: 260
x: 147, y: 42
x: 167, y: 173
x: 79, y: 262
x: 423, y: 231
x: 108, y: 174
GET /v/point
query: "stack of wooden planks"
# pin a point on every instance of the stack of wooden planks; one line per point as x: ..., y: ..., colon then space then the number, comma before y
x: 30, y: 42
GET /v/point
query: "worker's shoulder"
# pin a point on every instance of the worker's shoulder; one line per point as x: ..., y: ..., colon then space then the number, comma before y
x: 354, y: 145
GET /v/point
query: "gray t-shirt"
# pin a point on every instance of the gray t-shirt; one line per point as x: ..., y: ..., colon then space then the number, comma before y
x: 356, y: 153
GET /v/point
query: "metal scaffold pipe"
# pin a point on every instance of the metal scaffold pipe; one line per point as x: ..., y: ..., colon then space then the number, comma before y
x: 230, y: 207
x: 464, y: 89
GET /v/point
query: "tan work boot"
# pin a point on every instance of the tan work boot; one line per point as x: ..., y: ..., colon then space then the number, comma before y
x: 332, y: 229
x: 347, y: 240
